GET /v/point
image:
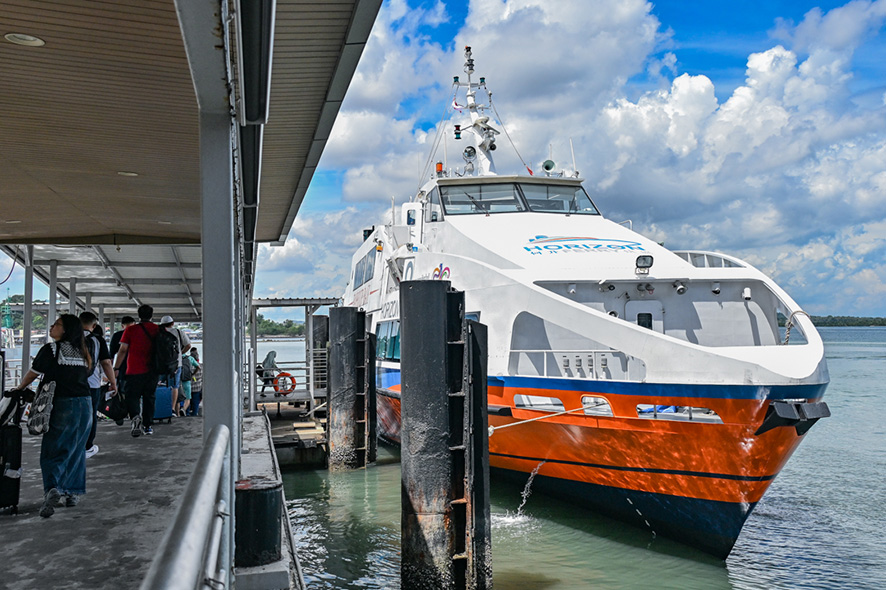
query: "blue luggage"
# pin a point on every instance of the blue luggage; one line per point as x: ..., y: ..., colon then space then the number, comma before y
x: 163, y: 404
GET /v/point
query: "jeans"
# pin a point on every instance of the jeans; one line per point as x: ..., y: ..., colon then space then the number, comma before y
x: 63, y: 451
x: 196, y: 396
x: 174, y: 380
x: 96, y: 401
x: 138, y: 388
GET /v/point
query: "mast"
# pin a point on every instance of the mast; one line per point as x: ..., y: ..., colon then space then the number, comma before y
x: 484, y: 134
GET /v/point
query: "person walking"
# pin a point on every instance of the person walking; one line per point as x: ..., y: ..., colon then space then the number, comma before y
x: 173, y: 380
x: 197, y: 384
x: 66, y: 361
x: 141, y: 380
x: 101, y: 357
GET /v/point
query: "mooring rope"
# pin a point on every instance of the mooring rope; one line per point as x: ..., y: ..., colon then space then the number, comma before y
x: 492, y: 429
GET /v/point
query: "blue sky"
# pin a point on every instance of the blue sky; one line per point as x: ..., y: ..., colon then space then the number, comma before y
x: 756, y: 128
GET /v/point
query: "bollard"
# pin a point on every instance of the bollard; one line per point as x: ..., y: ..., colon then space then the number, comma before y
x: 350, y: 406
x: 258, y: 505
x: 445, y: 539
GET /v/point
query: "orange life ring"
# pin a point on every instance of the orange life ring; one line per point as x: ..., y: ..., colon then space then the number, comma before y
x: 284, y: 383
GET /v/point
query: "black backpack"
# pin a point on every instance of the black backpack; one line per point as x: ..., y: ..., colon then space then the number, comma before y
x: 164, y: 352
x: 187, y: 373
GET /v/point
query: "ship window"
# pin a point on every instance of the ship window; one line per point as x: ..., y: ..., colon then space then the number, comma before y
x: 433, y: 210
x: 644, y: 320
x: 388, y: 340
x: 558, y: 199
x: 472, y: 199
x: 596, y: 406
x: 537, y: 402
x: 678, y: 413
x: 364, y: 270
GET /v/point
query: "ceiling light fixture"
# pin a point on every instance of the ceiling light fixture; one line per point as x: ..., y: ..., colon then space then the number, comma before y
x: 13, y: 221
x: 24, y: 39
x: 165, y: 222
x: 124, y: 173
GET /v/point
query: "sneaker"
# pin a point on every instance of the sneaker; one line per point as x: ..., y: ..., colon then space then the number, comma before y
x: 136, y: 427
x: 71, y: 500
x: 50, y: 501
x: 92, y: 451
x: 148, y: 431
x: 120, y: 422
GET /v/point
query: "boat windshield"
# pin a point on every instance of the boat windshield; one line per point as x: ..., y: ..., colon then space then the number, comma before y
x: 468, y: 199
x: 471, y: 199
x: 558, y: 199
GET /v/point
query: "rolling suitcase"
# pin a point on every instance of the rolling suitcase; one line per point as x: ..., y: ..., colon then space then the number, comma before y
x: 10, y: 467
x: 163, y: 404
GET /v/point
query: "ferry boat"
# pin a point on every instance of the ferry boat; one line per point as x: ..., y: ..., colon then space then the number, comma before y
x: 667, y: 394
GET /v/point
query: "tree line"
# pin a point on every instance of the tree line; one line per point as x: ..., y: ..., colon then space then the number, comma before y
x: 266, y: 327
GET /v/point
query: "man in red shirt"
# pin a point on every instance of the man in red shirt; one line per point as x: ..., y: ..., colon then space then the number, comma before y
x: 141, y: 381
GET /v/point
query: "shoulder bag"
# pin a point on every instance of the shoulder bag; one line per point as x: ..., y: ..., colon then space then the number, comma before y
x: 41, y: 407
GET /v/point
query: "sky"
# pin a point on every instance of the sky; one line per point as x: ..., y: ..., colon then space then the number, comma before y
x: 753, y: 128
x: 757, y: 129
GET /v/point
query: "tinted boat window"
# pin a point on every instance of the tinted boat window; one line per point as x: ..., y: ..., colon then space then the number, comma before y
x: 473, y: 199
x: 558, y: 199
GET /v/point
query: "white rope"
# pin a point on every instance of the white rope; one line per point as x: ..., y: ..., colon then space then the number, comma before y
x: 492, y: 429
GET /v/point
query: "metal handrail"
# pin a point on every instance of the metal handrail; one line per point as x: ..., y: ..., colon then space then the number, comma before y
x: 195, y: 530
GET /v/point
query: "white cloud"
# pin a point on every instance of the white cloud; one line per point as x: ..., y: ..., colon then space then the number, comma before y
x: 786, y: 172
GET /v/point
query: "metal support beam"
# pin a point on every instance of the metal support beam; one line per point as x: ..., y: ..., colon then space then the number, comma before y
x: 87, y: 302
x: 101, y: 315
x: 106, y: 263
x: 28, y: 315
x: 181, y: 272
x: 53, y: 295
x: 253, y: 347
x: 72, y: 296
x: 220, y: 382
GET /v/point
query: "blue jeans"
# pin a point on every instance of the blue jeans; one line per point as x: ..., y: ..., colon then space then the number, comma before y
x: 63, y: 452
x: 174, y: 380
x: 96, y: 401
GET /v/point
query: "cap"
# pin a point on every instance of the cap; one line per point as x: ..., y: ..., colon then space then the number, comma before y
x: 167, y: 319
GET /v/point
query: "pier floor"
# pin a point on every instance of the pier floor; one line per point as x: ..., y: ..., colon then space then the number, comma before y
x: 109, y: 539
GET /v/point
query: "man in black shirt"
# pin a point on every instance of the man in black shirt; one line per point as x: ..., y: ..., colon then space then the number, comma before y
x: 125, y: 321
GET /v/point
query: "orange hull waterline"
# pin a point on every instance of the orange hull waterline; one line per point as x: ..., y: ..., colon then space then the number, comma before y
x: 655, y: 386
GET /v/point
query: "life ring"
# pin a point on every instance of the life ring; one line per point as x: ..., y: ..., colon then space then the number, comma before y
x: 284, y: 383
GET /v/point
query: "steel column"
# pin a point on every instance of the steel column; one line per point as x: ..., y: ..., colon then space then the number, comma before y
x: 28, y: 309
x: 253, y: 345
x: 53, y: 295
x: 220, y: 374
x: 87, y: 302
x: 445, y: 543
x: 346, y: 395
x: 72, y: 297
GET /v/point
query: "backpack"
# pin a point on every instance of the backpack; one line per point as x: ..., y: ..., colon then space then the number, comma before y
x: 164, y: 352
x: 187, y: 369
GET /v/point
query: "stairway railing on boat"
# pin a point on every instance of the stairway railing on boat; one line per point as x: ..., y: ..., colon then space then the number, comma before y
x: 197, y: 527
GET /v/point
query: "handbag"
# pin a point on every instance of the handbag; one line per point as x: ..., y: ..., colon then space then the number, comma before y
x: 114, y: 407
x: 41, y: 409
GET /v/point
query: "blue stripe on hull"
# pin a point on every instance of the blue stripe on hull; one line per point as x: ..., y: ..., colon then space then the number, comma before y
x: 702, y: 390
x: 708, y: 525
x: 389, y: 376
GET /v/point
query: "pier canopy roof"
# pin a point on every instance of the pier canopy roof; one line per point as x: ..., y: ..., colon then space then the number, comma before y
x: 100, y: 132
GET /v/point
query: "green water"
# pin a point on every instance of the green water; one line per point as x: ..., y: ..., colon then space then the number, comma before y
x: 820, y: 525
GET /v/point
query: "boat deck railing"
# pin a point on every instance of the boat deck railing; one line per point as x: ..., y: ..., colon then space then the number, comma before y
x: 605, y: 364
x: 197, y: 527
x: 704, y: 259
